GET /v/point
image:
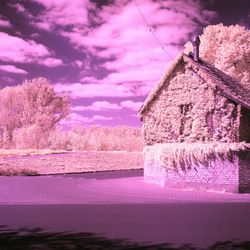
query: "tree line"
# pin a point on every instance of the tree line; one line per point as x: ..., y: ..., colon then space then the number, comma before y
x: 98, y: 138
x: 29, y: 118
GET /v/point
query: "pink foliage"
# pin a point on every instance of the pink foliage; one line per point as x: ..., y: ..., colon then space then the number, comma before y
x: 29, y: 112
x: 97, y: 138
x: 228, y: 49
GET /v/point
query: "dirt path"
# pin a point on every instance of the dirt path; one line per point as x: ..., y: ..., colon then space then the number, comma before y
x: 86, y: 161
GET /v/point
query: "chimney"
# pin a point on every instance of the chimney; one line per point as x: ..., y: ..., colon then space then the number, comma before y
x: 196, y: 43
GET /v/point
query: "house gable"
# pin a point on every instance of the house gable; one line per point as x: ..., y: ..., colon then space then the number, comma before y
x: 186, y: 106
x: 178, y: 112
x: 195, y: 122
x: 161, y: 83
x: 227, y: 86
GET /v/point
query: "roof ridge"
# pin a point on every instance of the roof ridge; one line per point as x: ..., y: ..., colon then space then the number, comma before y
x: 228, y: 86
x: 160, y: 83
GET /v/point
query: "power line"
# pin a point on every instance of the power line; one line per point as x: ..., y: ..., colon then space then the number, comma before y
x: 152, y: 31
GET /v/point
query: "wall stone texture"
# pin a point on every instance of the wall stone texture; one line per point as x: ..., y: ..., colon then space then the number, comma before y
x: 190, y: 109
x: 219, y: 175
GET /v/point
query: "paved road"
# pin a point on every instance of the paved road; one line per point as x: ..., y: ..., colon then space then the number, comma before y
x: 120, y: 205
x: 118, y: 187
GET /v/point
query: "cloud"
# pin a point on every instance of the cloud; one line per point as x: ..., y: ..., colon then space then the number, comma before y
x: 52, y: 62
x: 39, y: 20
x: 62, y: 13
x: 133, y: 55
x: 102, y: 118
x: 44, y: 25
x: 135, y: 106
x: 122, y: 24
x: 79, y: 63
x: 13, y: 69
x: 107, y: 106
x: 136, y: 73
x: 79, y: 90
x: 16, y: 49
x: 77, y: 119
x: 19, y: 7
x: 21, y: 10
x: 5, y: 23
x: 90, y: 79
x: 98, y: 106
x: 138, y: 55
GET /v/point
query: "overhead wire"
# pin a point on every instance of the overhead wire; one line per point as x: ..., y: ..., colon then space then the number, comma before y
x: 152, y: 31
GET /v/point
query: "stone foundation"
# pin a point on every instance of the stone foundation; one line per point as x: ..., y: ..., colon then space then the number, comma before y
x: 203, y: 167
x: 218, y: 175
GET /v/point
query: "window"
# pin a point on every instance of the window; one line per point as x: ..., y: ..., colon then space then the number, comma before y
x: 186, y: 108
x: 186, y: 119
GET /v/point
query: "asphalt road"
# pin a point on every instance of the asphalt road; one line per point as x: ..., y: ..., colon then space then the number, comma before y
x: 119, y: 210
x: 117, y: 187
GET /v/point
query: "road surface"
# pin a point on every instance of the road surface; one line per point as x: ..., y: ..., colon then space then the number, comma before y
x: 120, y: 210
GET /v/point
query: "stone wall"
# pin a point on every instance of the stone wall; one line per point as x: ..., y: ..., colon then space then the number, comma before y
x: 189, y: 109
x: 219, y: 175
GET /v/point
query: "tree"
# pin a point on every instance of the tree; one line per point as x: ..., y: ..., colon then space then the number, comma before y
x: 79, y: 138
x: 59, y: 139
x: 228, y: 48
x: 32, y: 106
x: 10, y: 110
x: 42, y: 106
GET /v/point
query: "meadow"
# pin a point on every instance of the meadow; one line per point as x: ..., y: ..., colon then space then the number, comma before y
x: 78, y: 150
x: 57, y: 162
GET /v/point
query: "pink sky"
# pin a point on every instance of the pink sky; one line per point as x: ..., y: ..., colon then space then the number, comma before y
x: 103, y: 55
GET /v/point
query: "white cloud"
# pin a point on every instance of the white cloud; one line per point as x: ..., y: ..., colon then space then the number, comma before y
x: 79, y: 90
x: 90, y: 79
x: 63, y: 13
x: 129, y: 49
x: 107, y: 106
x: 98, y: 106
x: 13, y: 69
x: 102, y: 118
x: 77, y: 119
x: 123, y: 26
x: 44, y: 25
x: 16, y: 49
x: 79, y: 63
x: 5, y: 23
x: 135, y: 106
x: 52, y: 62
x: 20, y: 8
x: 137, y: 59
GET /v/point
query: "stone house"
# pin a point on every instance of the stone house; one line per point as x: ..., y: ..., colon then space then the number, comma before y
x: 196, y: 128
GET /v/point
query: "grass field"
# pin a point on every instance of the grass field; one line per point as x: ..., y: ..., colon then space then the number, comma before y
x: 25, y: 152
x: 32, y: 162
